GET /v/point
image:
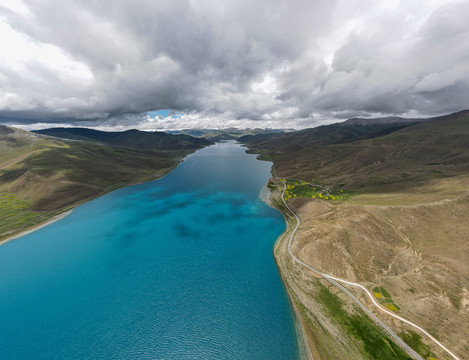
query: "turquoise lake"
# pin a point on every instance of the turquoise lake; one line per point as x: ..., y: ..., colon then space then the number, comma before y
x: 178, y: 268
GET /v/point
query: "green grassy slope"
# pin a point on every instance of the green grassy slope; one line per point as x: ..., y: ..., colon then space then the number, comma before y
x: 42, y: 176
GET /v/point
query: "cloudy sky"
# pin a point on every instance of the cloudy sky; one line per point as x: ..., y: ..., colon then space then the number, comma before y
x: 244, y: 63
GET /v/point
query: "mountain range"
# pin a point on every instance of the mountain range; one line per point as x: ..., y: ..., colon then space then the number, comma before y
x: 370, y: 155
x: 133, y: 139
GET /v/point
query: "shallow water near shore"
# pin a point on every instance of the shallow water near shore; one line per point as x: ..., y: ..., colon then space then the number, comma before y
x: 178, y: 268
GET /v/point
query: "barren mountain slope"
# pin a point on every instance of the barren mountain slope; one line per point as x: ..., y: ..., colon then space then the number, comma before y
x: 414, y: 244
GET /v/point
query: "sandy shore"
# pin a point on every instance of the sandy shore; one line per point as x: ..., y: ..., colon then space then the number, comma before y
x: 162, y: 173
x: 264, y: 195
x: 41, y: 225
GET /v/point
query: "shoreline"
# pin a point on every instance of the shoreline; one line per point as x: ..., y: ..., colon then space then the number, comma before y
x: 303, y: 344
x: 304, y: 349
x: 264, y: 195
x: 70, y: 208
x: 37, y: 227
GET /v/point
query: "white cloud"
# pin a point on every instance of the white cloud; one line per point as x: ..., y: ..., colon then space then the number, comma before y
x: 17, y: 6
x: 279, y: 63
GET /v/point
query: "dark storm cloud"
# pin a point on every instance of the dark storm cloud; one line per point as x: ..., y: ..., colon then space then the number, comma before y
x: 283, y: 63
x: 396, y: 72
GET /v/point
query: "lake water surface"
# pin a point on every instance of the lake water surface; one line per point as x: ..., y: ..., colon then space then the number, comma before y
x: 178, y: 268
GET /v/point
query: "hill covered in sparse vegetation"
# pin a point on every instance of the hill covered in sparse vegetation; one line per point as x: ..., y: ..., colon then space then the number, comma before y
x: 359, y: 157
x: 226, y: 134
x: 383, y: 206
x: 42, y: 176
x: 132, y: 139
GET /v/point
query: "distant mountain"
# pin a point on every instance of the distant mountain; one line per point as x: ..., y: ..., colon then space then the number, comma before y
x: 400, y: 120
x: 326, y: 134
x: 381, y: 121
x: 191, y: 132
x: 132, y: 139
x: 369, y: 156
x: 339, y: 133
x: 226, y: 134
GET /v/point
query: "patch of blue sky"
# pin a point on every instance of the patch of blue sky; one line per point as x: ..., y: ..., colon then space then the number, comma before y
x: 166, y: 113
x: 163, y: 113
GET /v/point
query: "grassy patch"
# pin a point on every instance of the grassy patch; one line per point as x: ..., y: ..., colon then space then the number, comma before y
x: 271, y: 185
x: 390, y: 306
x: 375, y: 342
x: 382, y: 290
x: 261, y: 154
x: 313, y: 190
x: 414, y: 340
x: 385, y: 298
x: 15, y: 214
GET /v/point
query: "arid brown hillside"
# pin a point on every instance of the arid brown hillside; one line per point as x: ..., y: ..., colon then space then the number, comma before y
x: 400, y: 230
x: 414, y: 243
